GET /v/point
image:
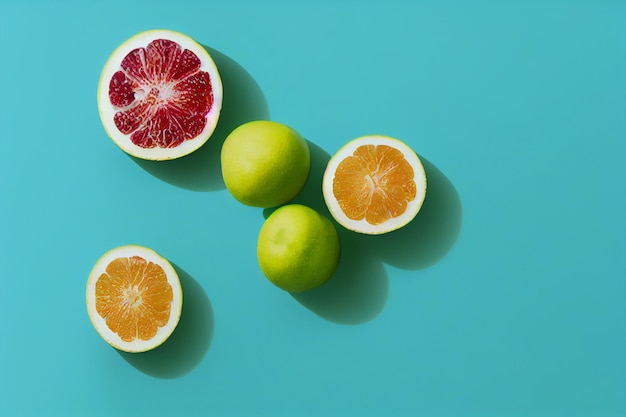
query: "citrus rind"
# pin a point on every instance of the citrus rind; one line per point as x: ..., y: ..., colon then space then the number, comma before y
x: 99, y: 323
x: 362, y: 226
x: 298, y: 249
x: 107, y: 110
x: 265, y: 163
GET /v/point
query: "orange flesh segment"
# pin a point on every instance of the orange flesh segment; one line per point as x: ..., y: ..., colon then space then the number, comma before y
x: 134, y: 298
x: 375, y: 183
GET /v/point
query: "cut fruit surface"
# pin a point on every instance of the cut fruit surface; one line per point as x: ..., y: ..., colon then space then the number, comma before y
x: 374, y: 184
x: 160, y: 95
x: 134, y: 298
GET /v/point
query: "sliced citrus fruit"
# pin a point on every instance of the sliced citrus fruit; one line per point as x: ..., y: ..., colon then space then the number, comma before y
x: 159, y: 95
x: 134, y: 298
x: 374, y: 184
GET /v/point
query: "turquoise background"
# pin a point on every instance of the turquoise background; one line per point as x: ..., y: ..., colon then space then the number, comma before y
x: 505, y: 297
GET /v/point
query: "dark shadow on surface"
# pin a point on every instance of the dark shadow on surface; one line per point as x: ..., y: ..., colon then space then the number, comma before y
x: 433, y: 232
x: 186, y: 347
x: 311, y: 194
x: 357, y: 292
x: 243, y: 101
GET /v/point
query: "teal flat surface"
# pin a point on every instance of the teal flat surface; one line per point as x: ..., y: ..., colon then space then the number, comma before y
x: 505, y: 297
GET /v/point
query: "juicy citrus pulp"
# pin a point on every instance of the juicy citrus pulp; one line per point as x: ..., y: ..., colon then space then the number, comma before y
x: 265, y: 163
x: 134, y: 298
x: 159, y: 95
x: 374, y: 184
x: 298, y: 248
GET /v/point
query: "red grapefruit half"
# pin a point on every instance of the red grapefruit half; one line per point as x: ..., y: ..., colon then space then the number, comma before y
x: 160, y: 95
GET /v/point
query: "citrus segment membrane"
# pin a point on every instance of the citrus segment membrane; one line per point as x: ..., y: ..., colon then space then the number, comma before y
x: 134, y: 298
x: 161, y: 95
x: 374, y: 184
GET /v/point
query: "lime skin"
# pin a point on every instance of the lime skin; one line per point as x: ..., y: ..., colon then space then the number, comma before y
x: 265, y: 163
x: 298, y: 249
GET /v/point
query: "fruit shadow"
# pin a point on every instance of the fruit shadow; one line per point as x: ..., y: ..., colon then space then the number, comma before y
x: 357, y: 292
x: 243, y: 101
x: 191, y: 339
x: 431, y: 234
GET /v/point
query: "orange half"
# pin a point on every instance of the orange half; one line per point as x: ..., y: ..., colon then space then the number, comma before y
x: 134, y: 298
x: 374, y: 184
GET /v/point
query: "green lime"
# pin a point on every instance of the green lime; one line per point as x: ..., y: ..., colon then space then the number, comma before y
x: 264, y: 163
x: 298, y: 248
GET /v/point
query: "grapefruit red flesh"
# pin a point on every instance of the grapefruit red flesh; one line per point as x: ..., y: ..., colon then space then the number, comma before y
x: 159, y: 90
x: 174, y: 95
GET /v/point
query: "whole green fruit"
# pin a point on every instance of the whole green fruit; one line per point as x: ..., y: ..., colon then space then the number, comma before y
x: 264, y: 163
x: 298, y: 248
